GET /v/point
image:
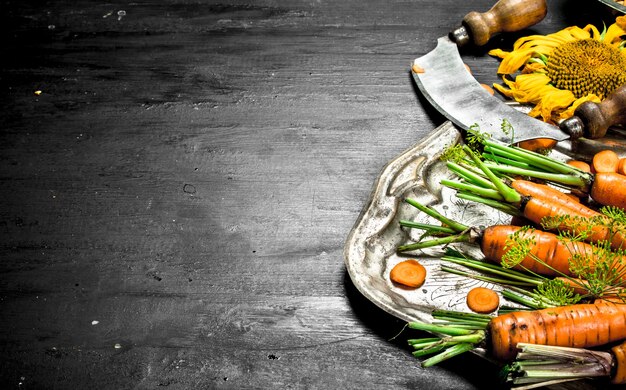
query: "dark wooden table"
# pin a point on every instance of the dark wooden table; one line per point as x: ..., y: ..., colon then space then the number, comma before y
x: 178, y: 179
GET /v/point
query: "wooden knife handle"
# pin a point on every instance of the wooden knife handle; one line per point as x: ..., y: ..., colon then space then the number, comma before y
x: 504, y: 16
x: 598, y: 117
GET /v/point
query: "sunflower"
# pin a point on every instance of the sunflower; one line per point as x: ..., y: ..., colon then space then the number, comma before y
x: 555, y: 73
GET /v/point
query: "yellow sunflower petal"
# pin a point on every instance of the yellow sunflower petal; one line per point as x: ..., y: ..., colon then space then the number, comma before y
x: 569, y: 112
x: 499, y: 53
x: 534, y: 67
x: 614, y: 33
x: 583, y: 33
x: 533, y: 84
x: 555, y: 100
x: 514, y: 61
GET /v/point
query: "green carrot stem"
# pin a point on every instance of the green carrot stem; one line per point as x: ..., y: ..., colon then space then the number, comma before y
x: 541, y: 160
x: 531, y: 157
x: 460, y: 316
x: 426, y: 340
x: 465, y: 237
x: 504, y: 309
x: 497, y: 270
x: 486, y: 278
x: 509, y: 194
x: 470, y: 175
x: 459, y: 227
x: 496, y: 267
x: 468, y: 326
x: 526, y: 301
x: 511, y: 155
x: 443, y: 329
x: 425, y: 226
x: 544, y: 364
x: 568, y: 180
x: 505, y: 161
x: 430, y: 350
x: 449, y: 353
x: 484, y: 192
x: 505, y: 208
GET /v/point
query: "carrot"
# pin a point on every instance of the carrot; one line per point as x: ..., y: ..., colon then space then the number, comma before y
x: 609, y: 188
x: 578, y: 326
x: 532, y: 189
x: 537, y: 144
x: 583, y: 166
x: 553, y: 253
x: 545, y: 253
x: 605, y: 161
x: 540, y: 365
x: 409, y: 273
x: 621, y: 167
x: 603, y: 183
x: 539, y: 202
x: 482, y: 300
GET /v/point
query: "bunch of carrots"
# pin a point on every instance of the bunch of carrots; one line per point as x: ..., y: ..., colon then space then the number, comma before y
x: 574, y: 248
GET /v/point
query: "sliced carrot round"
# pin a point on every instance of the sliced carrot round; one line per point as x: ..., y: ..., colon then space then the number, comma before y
x: 482, y: 300
x: 605, y: 161
x: 408, y: 273
x: 488, y: 88
x: 583, y: 166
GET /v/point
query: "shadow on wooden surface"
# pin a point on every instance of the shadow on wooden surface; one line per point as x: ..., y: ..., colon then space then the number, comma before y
x: 390, y: 328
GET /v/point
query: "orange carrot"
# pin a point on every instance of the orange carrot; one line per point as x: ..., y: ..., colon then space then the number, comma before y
x: 532, y: 189
x: 482, y: 300
x: 409, y: 273
x: 585, y: 325
x: 605, y: 161
x: 609, y: 188
x: 621, y: 167
x: 553, y: 252
x: 543, y: 201
x: 537, y: 144
x: 583, y: 166
x: 578, y: 326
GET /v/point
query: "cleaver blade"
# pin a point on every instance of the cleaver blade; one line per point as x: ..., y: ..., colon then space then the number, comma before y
x: 454, y: 92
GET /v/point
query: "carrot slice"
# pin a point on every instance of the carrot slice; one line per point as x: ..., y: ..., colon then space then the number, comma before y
x: 583, y: 166
x: 417, y: 69
x: 488, y: 88
x: 621, y: 167
x: 605, y: 161
x: 482, y: 300
x: 409, y: 273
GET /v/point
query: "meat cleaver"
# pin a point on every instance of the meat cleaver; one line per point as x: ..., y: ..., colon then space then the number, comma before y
x: 445, y: 82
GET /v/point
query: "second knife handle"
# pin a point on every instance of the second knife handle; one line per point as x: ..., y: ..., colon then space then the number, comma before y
x: 504, y: 16
x: 598, y: 117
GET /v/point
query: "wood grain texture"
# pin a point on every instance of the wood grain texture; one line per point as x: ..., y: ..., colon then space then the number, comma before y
x: 176, y: 199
